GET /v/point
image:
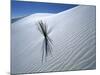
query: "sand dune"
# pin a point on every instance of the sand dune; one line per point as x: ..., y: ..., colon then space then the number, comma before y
x: 73, y: 34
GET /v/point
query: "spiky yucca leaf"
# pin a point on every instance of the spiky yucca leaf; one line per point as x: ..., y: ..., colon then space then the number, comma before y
x: 47, y: 43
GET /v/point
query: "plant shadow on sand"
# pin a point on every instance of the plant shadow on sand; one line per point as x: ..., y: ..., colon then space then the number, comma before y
x: 47, y: 42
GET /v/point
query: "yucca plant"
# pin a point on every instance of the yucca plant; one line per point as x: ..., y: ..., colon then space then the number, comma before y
x: 47, y: 43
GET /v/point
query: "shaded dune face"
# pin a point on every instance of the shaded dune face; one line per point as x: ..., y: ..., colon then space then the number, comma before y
x: 56, y: 42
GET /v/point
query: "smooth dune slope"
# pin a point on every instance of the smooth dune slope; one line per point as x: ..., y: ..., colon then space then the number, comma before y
x: 73, y: 33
